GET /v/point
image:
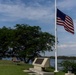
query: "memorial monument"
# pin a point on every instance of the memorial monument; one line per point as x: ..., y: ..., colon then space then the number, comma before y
x: 40, y: 64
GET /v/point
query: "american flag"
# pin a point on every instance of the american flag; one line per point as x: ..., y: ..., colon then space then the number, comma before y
x: 66, y: 21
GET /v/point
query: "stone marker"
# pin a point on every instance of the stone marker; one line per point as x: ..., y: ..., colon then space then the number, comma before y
x: 41, y: 63
x: 39, y: 66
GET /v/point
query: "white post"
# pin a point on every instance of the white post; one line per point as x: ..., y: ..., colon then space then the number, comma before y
x: 55, y: 40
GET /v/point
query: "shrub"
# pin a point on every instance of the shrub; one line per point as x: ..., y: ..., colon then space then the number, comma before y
x: 69, y: 66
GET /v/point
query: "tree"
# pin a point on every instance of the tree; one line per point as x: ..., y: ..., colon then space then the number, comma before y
x: 5, y: 38
x: 30, y: 41
x: 25, y: 41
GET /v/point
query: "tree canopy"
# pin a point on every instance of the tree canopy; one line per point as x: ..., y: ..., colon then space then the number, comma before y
x: 25, y: 41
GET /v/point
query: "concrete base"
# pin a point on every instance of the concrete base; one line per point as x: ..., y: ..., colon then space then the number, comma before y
x: 41, y: 72
x: 29, y: 72
x: 56, y: 71
x: 69, y: 74
x: 32, y: 71
x: 26, y: 71
x: 38, y: 68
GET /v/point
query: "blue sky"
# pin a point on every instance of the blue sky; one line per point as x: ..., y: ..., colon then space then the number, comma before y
x: 41, y: 13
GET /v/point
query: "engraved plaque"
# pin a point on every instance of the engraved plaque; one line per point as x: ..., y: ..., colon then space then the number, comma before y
x: 39, y: 61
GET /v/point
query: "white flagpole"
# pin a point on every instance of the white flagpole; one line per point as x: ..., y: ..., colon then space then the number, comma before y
x: 55, y: 40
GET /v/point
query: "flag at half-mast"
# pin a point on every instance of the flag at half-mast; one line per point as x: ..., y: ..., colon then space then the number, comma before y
x: 66, y: 21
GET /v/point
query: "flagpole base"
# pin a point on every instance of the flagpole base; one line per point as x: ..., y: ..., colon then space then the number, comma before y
x: 56, y: 71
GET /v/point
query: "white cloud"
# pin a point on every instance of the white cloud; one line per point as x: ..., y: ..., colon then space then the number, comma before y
x: 66, y: 4
x: 69, y: 45
x: 21, y: 11
x: 68, y: 49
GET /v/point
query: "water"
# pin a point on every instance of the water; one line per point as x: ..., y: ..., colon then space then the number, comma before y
x: 10, y: 58
x: 52, y: 62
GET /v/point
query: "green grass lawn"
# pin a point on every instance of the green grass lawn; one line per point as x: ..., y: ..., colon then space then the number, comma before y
x: 11, y: 68
x: 60, y: 73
